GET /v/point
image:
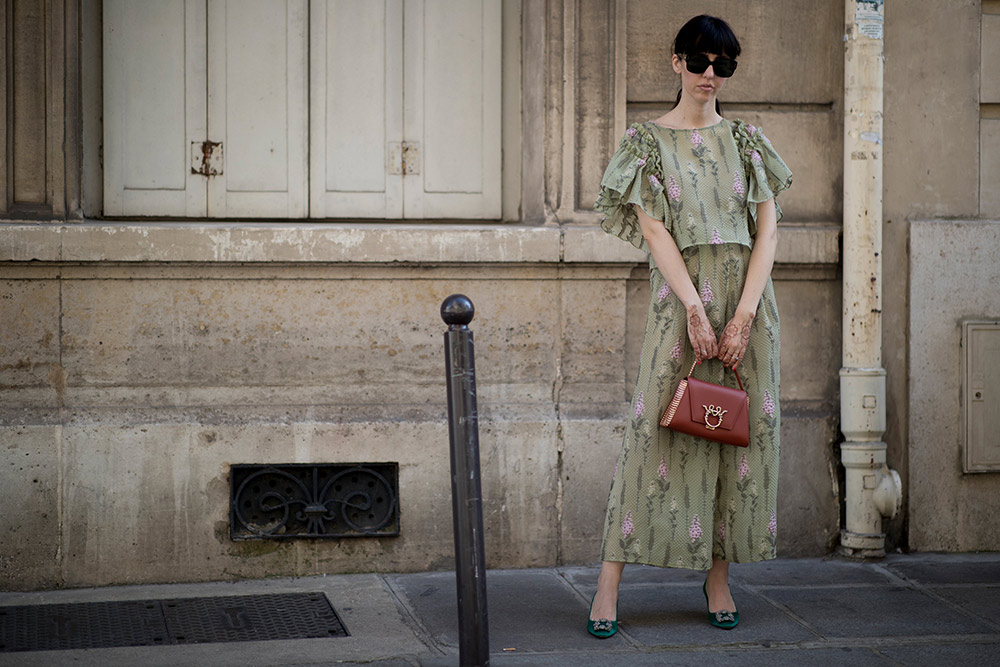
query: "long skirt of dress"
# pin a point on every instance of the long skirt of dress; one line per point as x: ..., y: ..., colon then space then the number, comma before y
x: 677, y: 500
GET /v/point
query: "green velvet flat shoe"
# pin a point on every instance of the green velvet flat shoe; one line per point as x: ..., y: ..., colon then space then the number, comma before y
x: 602, y: 628
x: 727, y: 620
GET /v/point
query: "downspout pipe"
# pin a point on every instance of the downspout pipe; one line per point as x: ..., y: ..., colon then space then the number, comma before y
x: 872, y: 490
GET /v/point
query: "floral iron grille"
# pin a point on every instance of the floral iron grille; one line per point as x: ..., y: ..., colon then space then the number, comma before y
x: 314, y: 500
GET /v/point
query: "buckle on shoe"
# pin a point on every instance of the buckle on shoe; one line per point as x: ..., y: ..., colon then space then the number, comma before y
x: 724, y: 617
x: 603, y: 625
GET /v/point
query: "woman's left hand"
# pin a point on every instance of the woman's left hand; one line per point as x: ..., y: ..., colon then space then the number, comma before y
x: 734, y: 339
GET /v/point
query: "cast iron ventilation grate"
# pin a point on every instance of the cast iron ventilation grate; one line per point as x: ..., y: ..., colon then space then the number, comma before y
x: 314, y: 500
x: 240, y: 618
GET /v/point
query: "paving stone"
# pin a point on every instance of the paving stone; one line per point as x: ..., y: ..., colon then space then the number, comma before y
x: 860, y: 657
x: 806, y: 572
x: 889, y: 611
x: 935, y: 569
x: 377, y: 663
x: 530, y: 610
x: 982, y: 601
x: 671, y: 616
x: 936, y: 655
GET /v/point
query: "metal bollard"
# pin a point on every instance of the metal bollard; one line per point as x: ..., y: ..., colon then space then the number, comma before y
x: 466, y: 491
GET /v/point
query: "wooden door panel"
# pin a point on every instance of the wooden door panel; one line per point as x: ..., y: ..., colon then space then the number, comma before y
x: 257, y: 107
x: 154, y: 107
x: 356, y: 108
x: 453, y: 103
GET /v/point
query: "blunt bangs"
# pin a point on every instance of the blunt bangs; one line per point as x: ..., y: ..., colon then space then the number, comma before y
x: 707, y: 34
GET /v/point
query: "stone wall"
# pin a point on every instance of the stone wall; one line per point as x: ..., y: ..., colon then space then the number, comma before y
x: 139, y: 359
x: 933, y: 127
x: 129, y: 389
x: 954, y: 270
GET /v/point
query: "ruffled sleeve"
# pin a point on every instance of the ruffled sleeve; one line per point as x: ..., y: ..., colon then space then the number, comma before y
x: 766, y: 173
x: 634, y: 176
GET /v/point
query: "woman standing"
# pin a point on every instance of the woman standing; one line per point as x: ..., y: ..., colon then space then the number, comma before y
x: 696, y: 191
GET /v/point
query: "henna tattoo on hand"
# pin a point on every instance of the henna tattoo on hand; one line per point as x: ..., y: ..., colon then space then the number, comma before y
x: 745, y: 334
x: 694, y: 320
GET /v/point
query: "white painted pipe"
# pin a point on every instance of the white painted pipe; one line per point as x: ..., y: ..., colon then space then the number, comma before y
x: 872, y: 489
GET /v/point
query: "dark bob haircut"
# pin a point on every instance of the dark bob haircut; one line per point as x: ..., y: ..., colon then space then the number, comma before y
x: 707, y: 34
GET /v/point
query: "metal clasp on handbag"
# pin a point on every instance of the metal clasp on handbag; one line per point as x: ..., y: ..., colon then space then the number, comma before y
x: 713, y: 411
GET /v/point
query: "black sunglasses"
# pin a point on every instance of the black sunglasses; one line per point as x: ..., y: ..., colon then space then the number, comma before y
x: 698, y: 63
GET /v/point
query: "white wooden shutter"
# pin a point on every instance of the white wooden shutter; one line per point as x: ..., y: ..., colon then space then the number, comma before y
x: 356, y: 120
x: 257, y: 107
x: 251, y: 57
x: 154, y: 107
x: 452, y: 62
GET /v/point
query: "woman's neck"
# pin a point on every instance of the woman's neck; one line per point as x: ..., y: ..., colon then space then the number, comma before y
x: 689, y: 115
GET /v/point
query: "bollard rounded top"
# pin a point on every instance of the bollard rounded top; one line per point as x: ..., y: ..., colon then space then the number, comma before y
x: 457, y: 309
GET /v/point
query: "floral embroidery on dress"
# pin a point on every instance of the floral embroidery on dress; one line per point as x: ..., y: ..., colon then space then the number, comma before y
x: 755, y: 156
x: 744, y: 468
x: 615, y: 472
x: 751, y: 129
x: 654, y: 181
x: 627, y: 526
x: 673, y: 190
x: 768, y: 405
x: 696, y: 138
x: 663, y: 292
x: 722, y: 532
x: 675, y: 353
x: 772, y: 525
x: 695, y: 531
x: 738, y: 187
x: 639, y: 406
x: 716, y: 238
x: 631, y: 132
x: 641, y: 162
x: 706, y: 292
x: 663, y: 470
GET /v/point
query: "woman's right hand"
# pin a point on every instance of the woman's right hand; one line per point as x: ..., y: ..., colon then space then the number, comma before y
x: 700, y: 333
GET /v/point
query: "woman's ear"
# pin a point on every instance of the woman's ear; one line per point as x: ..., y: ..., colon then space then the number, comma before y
x: 677, y: 63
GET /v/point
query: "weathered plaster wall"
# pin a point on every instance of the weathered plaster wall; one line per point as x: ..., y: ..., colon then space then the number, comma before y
x: 931, y: 170
x: 128, y: 390
x: 954, y: 270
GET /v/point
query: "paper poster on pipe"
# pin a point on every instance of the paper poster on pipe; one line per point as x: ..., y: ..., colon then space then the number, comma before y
x: 868, y: 15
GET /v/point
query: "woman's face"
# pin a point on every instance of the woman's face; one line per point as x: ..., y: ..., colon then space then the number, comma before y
x: 701, y: 88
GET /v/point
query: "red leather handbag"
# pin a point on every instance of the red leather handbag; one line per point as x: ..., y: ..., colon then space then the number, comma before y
x: 710, y: 411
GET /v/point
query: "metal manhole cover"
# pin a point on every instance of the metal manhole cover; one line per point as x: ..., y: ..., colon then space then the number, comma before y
x: 177, y: 621
x: 251, y: 618
x: 52, y: 627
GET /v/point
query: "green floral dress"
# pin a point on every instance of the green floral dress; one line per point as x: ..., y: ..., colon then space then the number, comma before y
x: 677, y: 500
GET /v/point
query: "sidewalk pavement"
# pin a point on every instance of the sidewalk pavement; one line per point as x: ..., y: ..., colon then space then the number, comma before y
x: 914, y: 609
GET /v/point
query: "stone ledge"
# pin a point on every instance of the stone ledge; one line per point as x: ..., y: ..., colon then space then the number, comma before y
x: 377, y: 243
x: 262, y: 242
x: 798, y: 243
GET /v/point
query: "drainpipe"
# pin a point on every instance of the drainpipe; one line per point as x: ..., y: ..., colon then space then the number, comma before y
x: 872, y: 489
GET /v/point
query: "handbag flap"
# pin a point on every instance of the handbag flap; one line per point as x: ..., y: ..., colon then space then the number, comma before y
x: 715, y: 405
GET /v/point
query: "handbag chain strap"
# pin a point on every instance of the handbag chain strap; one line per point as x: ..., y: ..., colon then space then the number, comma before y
x: 738, y: 380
